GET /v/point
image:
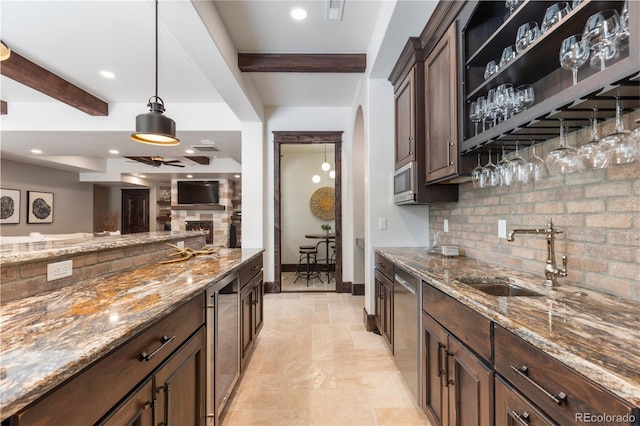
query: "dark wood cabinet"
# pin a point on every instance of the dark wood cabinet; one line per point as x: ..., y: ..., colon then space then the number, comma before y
x: 251, y: 308
x: 135, y: 410
x: 441, y: 109
x: 512, y: 409
x: 384, y: 298
x: 405, y: 110
x: 457, y: 386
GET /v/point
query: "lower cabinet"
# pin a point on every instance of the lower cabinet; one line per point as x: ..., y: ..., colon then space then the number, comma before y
x: 513, y: 409
x: 251, y: 316
x: 457, y: 386
x: 384, y: 307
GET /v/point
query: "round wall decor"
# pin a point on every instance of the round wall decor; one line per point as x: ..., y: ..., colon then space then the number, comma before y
x: 323, y: 203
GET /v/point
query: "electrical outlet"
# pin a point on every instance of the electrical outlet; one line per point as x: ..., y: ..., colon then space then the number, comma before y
x: 382, y: 223
x: 502, y: 228
x: 58, y: 270
x: 446, y: 225
x: 180, y: 244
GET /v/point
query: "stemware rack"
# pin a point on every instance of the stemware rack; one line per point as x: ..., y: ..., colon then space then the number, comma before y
x: 486, y: 33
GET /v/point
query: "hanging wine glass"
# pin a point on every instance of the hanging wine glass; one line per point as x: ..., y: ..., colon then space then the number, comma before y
x: 518, y: 167
x: 490, y: 173
x: 600, y: 33
x: 477, y: 175
x: 591, y: 153
x: 503, y: 170
x: 535, y: 166
x: 634, y: 138
x: 564, y: 159
x: 574, y: 53
x: 617, y: 144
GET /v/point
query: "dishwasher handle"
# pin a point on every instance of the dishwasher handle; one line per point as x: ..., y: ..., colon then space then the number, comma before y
x: 404, y: 283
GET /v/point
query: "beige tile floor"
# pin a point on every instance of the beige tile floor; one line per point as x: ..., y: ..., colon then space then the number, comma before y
x: 315, y: 364
x: 288, y: 278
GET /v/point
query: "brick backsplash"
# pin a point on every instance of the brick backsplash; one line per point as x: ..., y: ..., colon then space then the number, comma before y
x: 598, y: 210
x: 30, y: 278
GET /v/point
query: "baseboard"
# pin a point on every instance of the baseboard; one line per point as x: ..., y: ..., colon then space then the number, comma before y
x: 271, y: 287
x: 369, y: 320
x: 288, y: 268
x: 357, y: 289
x: 345, y: 288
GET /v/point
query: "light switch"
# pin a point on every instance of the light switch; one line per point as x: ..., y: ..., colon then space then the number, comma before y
x: 382, y: 223
x: 446, y: 225
x: 502, y: 228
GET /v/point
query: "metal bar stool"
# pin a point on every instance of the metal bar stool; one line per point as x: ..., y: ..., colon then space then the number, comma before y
x: 307, y: 265
x: 331, y: 265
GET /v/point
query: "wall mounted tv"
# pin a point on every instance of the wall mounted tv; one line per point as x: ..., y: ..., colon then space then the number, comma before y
x: 198, y: 192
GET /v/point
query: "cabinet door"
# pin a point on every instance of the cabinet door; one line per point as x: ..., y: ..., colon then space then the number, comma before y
x: 405, y: 141
x: 512, y: 409
x: 136, y: 410
x: 441, y: 124
x: 179, y: 385
x: 470, y: 385
x: 434, y: 397
x: 258, y: 305
x: 387, y: 316
x: 246, y: 323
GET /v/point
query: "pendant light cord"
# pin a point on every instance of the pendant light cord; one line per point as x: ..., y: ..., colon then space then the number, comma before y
x: 156, y: 49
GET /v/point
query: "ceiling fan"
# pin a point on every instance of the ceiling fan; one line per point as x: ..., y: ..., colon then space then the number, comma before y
x: 156, y: 161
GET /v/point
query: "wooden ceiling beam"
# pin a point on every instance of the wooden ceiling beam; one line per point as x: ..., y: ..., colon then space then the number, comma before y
x: 296, y: 62
x: 3, y: 108
x: 24, y: 71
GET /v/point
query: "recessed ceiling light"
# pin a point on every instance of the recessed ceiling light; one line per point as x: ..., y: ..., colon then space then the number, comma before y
x: 107, y: 74
x: 142, y: 176
x: 237, y: 176
x: 36, y: 151
x: 189, y: 176
x: 189, y: 151
x: 114, y: 151
x: 298, y: 13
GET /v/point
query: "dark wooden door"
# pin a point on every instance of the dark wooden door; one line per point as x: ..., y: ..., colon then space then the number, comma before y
x: 405, y: 121
x: 434, y: 396
x: 135, y: 210
x: 179, y: 385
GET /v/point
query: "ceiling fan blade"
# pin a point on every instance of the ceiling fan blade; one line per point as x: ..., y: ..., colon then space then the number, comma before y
x: 171, y: 161
x: 144, y: 160
x: 174, y: 165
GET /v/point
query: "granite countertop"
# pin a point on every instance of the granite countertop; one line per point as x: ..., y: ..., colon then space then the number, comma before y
x: 37, y: 250
x: 594, y: 333
x: 46, y: 339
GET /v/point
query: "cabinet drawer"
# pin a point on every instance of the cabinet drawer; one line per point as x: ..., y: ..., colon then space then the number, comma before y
x: 558, y: 390
x: 384, y: 265
x: 91, y: 393
x: 513, y: 409
x: 249, y: 270
x: 467, y: 325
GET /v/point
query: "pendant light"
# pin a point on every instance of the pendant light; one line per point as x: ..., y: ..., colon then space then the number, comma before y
x: 5, y: 52
x: 325, y: 166
x: 154, y: 127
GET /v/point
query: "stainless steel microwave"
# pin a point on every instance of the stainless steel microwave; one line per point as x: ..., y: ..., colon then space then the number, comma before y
x: 405, y: 184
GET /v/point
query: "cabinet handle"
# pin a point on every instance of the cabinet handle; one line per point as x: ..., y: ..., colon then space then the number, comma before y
x: 523, y: 418
x: 449, y: 153
x: 440, y: 370
x: 447, y: 381
x: 254, y: 267
x: 165, y: 341
x: 558, y: 399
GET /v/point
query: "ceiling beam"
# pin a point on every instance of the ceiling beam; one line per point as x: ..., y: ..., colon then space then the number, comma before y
x: 34, y: 76
x: 3, y: 108
x: 294, y: 62
x: 202, y: 160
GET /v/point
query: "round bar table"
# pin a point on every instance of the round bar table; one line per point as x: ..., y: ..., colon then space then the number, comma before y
x: 326, y: 237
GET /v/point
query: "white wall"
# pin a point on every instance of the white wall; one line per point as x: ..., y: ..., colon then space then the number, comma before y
x: 297, y: 219
x: 72, y: 200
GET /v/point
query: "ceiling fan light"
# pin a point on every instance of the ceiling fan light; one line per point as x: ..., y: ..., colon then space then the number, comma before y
x: 5, y: 52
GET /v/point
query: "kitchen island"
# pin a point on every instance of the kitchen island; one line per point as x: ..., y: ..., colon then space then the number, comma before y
x: 592, y: 333
x: 49, y: 337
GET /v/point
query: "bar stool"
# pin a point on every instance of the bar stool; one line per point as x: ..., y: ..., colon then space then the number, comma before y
x: 307, y: 265
x: 331, y: 265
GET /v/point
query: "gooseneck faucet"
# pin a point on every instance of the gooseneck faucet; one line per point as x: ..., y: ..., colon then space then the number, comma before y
x: 551, y: 270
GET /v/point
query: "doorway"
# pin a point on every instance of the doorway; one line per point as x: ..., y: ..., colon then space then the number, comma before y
x: 318, y: 138
x: 135, y: 211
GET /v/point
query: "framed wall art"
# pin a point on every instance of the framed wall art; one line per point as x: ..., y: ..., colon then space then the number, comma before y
x: 9, y: 206
x: 40, y: 207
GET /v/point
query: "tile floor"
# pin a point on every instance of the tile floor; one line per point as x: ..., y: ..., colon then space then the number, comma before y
x: 315, y: 364
x: 288, y: 278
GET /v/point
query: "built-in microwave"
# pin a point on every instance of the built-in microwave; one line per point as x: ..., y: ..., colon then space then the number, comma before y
x: 405, y: 184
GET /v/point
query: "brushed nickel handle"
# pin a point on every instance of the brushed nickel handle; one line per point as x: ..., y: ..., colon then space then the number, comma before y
x: 558, y: 399
x: 165, y: 341
x: 449, y: 154
x: 523, y: 418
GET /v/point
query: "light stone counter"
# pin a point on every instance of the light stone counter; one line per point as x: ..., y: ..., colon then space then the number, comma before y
x: 46, y: 339
x: 596, y: 334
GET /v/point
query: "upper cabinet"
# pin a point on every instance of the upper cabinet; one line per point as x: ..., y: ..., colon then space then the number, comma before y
x: 487, y: 28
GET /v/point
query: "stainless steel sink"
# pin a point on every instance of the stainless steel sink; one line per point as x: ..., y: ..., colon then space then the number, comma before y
x: 497, y: 286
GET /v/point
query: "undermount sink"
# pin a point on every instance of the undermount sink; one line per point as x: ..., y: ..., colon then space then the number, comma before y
x: 497, y: 286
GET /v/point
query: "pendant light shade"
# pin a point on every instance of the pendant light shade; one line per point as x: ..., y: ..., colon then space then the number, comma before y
x: 5, y: 52
x: 154, y: 127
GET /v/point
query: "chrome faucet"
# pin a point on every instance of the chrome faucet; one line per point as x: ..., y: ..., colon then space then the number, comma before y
x: 551, y: 270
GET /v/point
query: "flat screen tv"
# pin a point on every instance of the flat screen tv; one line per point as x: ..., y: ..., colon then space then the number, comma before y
x: 198, y: 192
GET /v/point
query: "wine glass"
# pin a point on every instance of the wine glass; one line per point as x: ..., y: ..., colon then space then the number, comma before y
x: 491, y: 107
x: 504, y: 100
x: 554, y: 14
x: 535, y: 166
x: 563, y: 159
x: 490, y: 69
x: 591, y: 153
x: 634, y: 138
x: 527, y: 34
x: 508, y: 53
x: 490, y: 173
x: 504, y: 171
x: 477, y: 175
x: 475, y: 115
x: 481, y: 104
x: 622, y: 39
x: 574, y: 53
x: 600, y: 33
x: 524, y: 97
x: 518, y: 167
x: 511, y: 5
x: 617, y: 143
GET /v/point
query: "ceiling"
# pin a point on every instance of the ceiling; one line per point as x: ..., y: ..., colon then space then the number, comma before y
x: 199, y: 81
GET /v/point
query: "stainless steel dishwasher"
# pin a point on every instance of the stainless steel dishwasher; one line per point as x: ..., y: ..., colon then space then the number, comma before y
x: 406, y: 335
